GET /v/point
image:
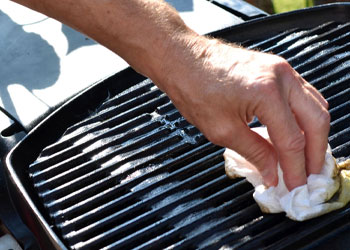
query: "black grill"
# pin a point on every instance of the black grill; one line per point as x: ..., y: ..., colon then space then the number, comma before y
x: 133, y: 173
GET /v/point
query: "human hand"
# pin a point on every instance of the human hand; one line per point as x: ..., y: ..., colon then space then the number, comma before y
x: 220, y: 87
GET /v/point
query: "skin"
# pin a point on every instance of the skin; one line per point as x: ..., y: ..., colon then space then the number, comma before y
x: 216, y: 86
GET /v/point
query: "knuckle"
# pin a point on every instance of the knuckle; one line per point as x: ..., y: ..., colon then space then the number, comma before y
x: 268, y: 83
x: 282, y: 68
x: 326, y: 104
x: 280, y: 63
x: 324, y: 119
x: 220, y: 137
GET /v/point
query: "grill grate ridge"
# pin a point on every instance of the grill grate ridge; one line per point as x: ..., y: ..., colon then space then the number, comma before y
x: 178, y: 173
x: 223, y: 194
x: 228, y: 216
x: 213, y: 172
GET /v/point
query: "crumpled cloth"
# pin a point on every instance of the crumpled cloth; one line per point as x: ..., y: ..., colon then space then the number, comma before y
x: 323, y: 193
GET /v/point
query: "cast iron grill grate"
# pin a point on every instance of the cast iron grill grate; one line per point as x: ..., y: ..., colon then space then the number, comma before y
x: 135, y: 174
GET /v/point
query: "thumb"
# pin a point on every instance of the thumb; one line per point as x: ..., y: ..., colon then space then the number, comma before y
x: 257, y: 151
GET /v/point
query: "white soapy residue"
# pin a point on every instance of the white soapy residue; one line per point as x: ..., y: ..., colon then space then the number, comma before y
x: 238, y: 229
x: 155, y: 116
x: 138, y: 173
x: 341, y: 79
x: 180, y: 208
x: 99, y: 144
x: 323, y: 52
x: 79, y: 130
x: 204, y: 227
x: 105, y: 110
x: 134, y: 87
x: 154, y: 87
x: 302, y: 41
x: 104, y: 153
x: 291, y: 36
x: 90, y: 136
x: 340, y: 67
x: 311, y: 47
x: 331, y: 60
x: 171, y: 198
x: 170, y: 247
x: 158, y: 190
x: 149, y: 181
x: 193, y: 217
x: 337, y: 57
x: 214, y: 238
x: 225, y: 247
x: 121, y: 169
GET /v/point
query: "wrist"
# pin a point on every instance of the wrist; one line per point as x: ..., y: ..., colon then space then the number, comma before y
x: 186, y: 58
x: 181, y: 53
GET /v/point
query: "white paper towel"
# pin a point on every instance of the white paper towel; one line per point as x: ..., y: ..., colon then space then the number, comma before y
x: 302, y: 203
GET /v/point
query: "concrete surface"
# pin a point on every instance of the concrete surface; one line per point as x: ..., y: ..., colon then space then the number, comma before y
x: 9, y: 243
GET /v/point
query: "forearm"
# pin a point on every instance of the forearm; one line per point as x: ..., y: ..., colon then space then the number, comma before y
x: 141, y: 31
